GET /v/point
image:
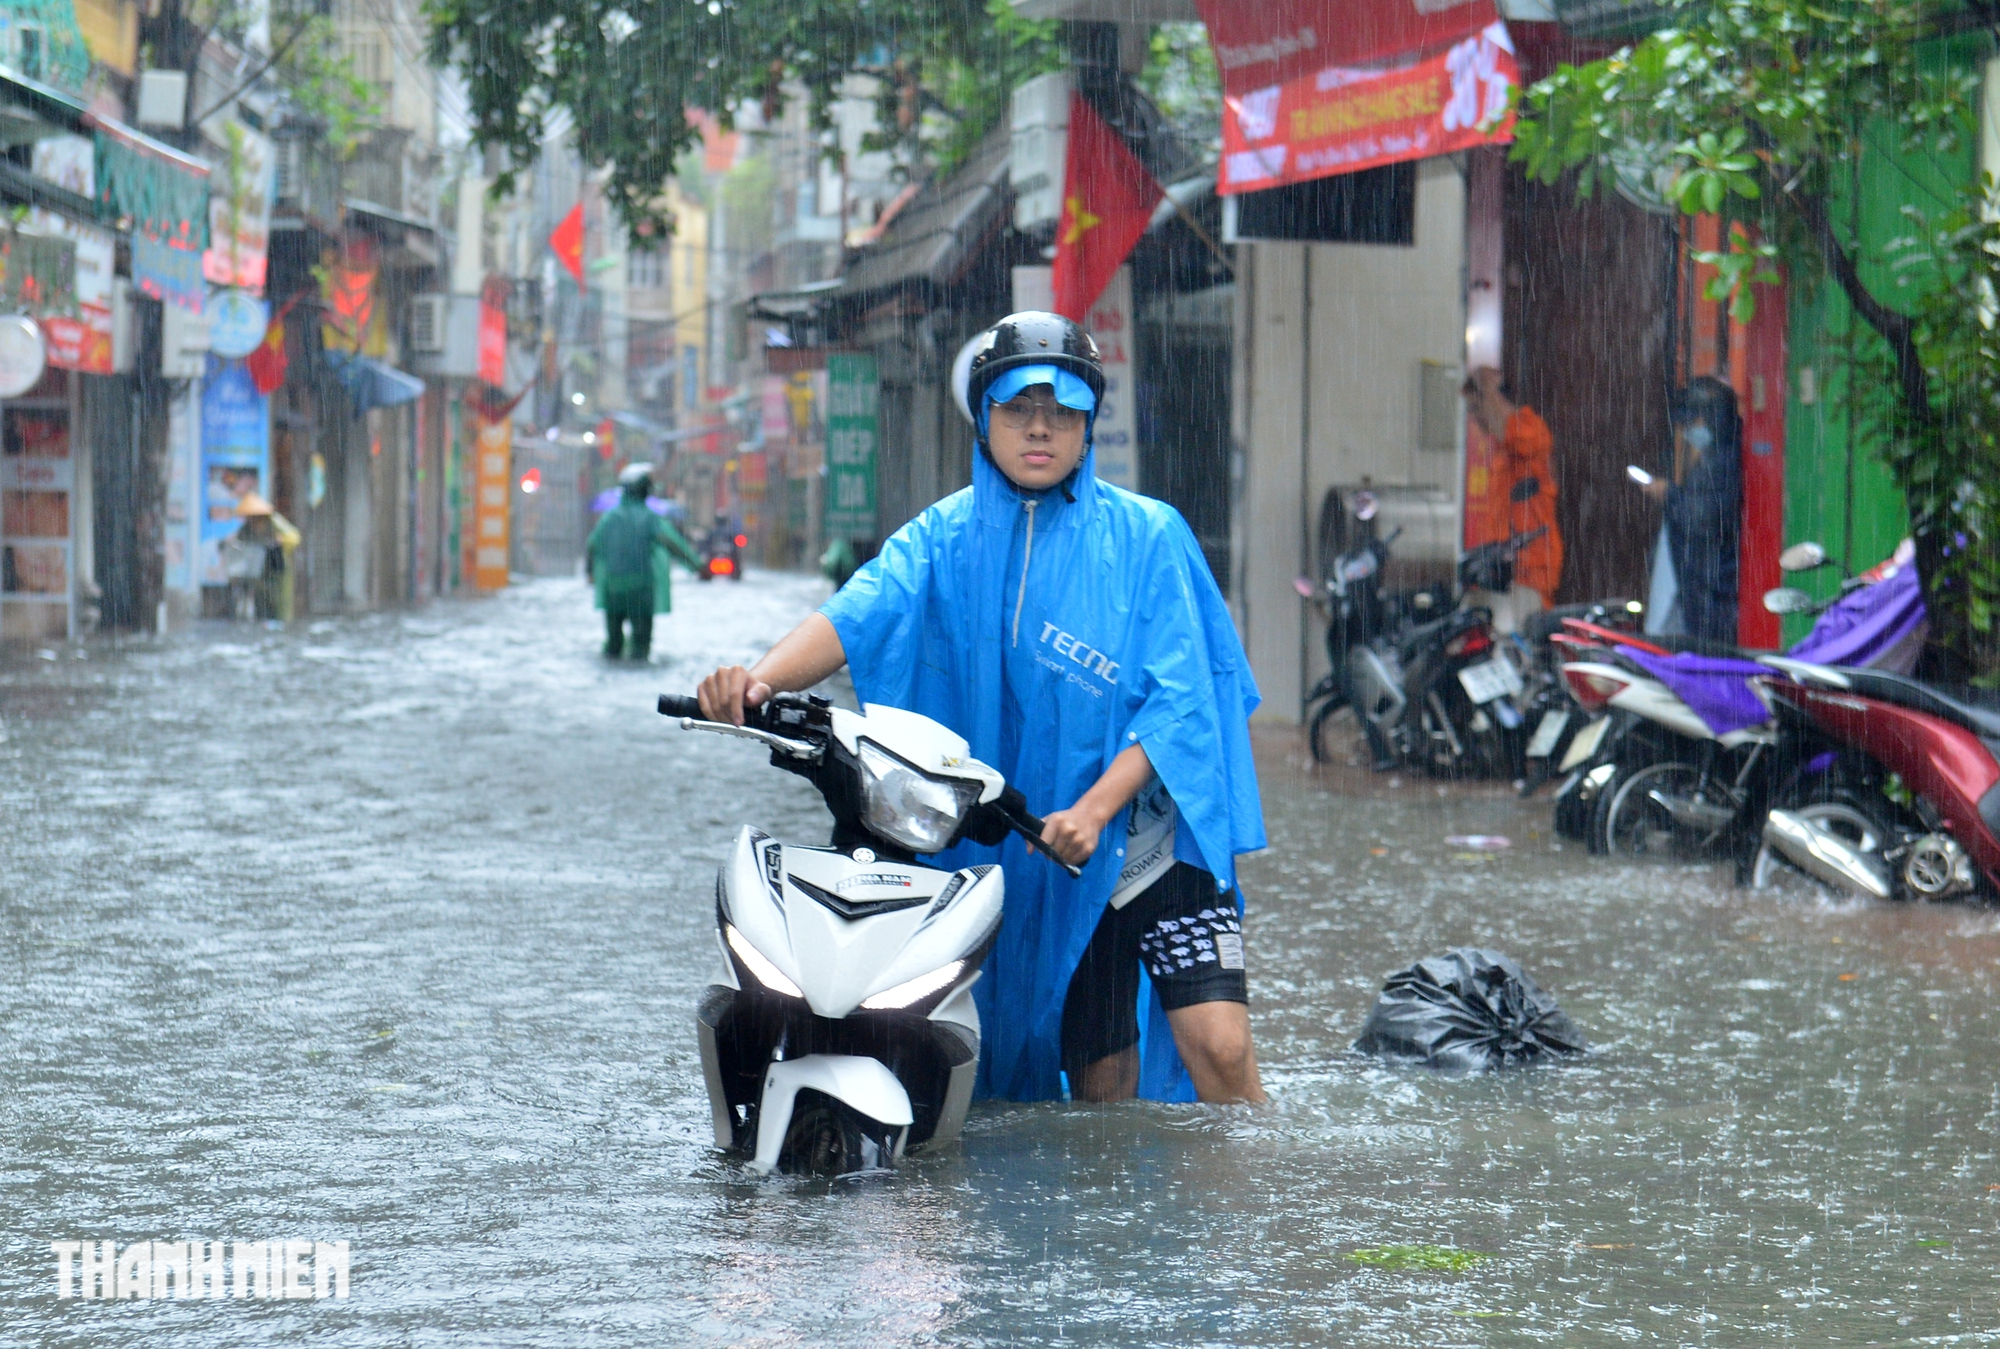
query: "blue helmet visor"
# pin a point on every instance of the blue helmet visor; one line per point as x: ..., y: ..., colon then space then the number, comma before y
x: 1070, y: 389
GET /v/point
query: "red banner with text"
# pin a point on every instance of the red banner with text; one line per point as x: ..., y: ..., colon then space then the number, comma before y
x: 1312, y: 88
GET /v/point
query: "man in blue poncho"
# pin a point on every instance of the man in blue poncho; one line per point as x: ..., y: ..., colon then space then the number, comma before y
x: 1071, y: 632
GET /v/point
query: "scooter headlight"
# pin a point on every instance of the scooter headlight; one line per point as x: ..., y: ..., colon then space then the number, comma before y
x: 910, y: 807
x: 917, y: 989
x: 760, y: 968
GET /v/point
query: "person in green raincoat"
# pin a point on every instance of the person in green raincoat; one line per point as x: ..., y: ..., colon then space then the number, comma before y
x: 628, y: 559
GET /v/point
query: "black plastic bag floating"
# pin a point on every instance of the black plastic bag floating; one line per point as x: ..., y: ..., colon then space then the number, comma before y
x: 1467, y: 1011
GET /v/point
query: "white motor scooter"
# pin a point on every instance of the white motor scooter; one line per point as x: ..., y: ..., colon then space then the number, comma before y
x: 839, y: 1030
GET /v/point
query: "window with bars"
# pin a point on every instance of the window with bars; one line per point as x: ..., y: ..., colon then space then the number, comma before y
x: 645, y: 271
x: 367, y: 50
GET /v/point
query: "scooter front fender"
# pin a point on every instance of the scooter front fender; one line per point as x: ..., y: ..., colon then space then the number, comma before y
x: 865, y: 1084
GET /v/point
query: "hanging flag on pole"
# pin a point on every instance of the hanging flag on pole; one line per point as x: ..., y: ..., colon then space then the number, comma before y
x: 567, y: 241
x: 268, y: 363
x: 1108, y: 200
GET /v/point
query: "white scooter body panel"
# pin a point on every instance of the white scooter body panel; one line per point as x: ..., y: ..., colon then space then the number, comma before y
x: 839, y: 961
x: 866, y: 1084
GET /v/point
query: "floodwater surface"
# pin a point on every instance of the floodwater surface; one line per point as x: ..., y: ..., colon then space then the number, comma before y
x: 390, y: 930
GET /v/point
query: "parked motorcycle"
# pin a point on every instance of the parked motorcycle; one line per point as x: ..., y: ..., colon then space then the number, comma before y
x: 839, y: 1029
x: 1685, y: 752
x: 1546, y: 641
x: 1437, y: 692
x: 1906, y: 804
x: 1677, y: 765
x: 1358, y: 610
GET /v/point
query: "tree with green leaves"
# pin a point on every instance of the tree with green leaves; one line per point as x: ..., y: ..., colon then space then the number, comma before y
x: 304, y: 59
x: 1754, y: 110
x: 628, y: 76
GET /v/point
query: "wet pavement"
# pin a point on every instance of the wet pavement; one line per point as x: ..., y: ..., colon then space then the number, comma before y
x: 390, y: 929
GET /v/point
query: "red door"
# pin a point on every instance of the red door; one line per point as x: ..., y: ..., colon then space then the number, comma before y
x: 1761, y: 381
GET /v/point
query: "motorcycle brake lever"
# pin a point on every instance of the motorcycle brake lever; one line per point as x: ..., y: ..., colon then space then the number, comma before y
x: 797, y: 749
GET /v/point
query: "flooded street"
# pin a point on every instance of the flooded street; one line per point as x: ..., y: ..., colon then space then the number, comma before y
x: 390, y: 929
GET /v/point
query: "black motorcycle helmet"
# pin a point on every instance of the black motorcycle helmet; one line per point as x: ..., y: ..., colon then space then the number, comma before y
x: 1030, y: 337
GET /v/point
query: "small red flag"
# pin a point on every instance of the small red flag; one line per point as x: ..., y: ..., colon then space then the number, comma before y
x: 268, y: 363
x: 1108, y: 200
x: 567, y: 241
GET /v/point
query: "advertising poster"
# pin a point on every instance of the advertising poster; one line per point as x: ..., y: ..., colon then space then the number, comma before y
x: 494, y: 452
x: 168, y: 273
x: 350, y: 320
x: 239, y: 211
x: 852, y: 394
x: 235, y: 457
x: 82, y: 340
x: 774, y: 423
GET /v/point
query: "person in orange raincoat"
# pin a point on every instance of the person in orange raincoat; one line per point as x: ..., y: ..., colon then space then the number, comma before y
x: 1522, y: 452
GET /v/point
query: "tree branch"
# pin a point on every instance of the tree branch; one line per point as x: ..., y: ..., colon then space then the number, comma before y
x: 1898, y: 330
x: 257, y: 74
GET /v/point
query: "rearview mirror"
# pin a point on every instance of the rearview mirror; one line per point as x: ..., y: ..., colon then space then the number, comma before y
x: 1802, y: 557
x: 1526, y: 490
x: 1787, y: 600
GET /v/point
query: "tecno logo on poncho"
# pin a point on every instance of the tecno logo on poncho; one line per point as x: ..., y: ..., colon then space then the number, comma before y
x: 1081, y: 652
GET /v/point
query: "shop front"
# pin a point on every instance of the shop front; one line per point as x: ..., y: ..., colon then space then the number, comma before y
x: 1348, y: 132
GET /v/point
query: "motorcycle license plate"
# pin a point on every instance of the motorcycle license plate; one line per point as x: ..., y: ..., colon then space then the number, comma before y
x: 1547, y: 733
x: 1585, y: 744
x: 1493, y: 679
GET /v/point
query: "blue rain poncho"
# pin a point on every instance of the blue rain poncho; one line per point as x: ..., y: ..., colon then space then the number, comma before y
x: 1051, y: 633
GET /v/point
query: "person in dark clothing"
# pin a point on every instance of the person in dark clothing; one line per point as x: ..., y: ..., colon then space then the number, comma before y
x: 628, y: 559
x: 1704, y: 506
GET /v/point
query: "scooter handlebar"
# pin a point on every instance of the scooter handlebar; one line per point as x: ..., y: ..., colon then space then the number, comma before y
x: 1013, y: 808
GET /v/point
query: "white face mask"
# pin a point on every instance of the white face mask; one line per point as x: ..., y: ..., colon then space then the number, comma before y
x: 1699, y: 438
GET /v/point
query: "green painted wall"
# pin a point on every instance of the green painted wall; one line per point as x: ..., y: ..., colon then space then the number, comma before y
x: 1835, y: 491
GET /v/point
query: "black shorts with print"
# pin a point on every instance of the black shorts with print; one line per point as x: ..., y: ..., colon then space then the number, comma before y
x: 1191, y: 941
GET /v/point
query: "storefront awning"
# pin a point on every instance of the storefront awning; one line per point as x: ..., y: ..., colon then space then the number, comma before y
x: 937, y: 237
x: 162, y: 190
x: 1313, y: 88
x: 30, y: 110
x: 373, y: 383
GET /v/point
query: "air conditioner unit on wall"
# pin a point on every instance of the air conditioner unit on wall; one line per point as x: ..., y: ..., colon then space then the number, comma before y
x: 428, y: 315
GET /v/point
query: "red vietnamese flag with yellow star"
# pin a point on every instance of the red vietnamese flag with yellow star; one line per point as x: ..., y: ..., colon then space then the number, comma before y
x: 567, y: 241
x: 1108, y: 200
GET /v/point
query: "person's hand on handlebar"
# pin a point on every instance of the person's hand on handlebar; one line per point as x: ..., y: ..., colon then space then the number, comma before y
x: 808, y: 654
x: 1072, y: 834
x: 729, y: 692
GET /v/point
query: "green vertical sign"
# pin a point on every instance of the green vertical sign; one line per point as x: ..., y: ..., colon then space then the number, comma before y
x: 851, y: 433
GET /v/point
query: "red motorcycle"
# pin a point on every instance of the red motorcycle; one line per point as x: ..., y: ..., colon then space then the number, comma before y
x: 1903, y: 798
